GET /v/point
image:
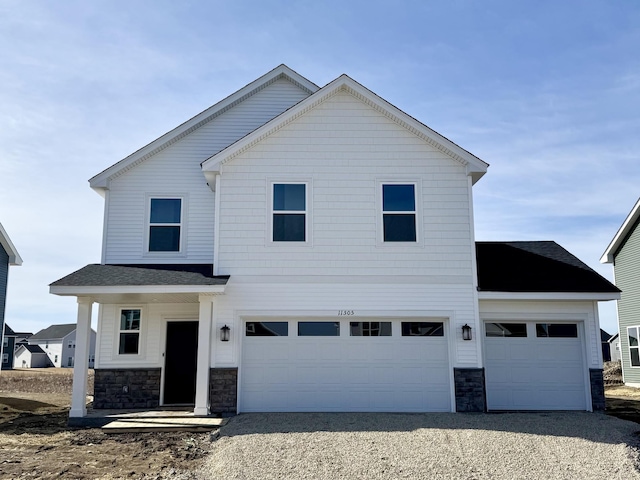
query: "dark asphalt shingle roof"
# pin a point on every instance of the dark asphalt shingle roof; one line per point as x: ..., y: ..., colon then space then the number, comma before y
x: 8, y: 330
x: 535, y: 267
x: 123, y: 275
x: 33, y: 348
x: 54, y: 332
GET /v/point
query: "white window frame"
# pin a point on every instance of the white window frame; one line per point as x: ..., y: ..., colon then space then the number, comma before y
x: 637, y: 347
x: 417, y: 192
x: 307, y: 211
x: 119, y: 331
x: 182, y: 225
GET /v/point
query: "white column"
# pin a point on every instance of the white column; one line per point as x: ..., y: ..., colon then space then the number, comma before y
x: 205, y: 320
x: 81, y: 365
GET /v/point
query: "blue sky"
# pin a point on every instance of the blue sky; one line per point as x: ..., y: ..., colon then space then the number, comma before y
x: 546, y: 92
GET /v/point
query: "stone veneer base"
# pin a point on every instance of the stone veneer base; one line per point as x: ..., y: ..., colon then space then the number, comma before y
x: 126, y: 388
x: 470, y: 390
x: 596, y: 379
x: 223, y: 391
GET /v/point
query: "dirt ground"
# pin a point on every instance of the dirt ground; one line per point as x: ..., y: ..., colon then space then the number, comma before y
x: 36, y: 443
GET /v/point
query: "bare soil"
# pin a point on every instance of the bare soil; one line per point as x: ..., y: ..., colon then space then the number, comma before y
x: 36, y: 442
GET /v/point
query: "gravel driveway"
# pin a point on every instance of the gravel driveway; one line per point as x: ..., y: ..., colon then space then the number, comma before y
x: 425, y: 446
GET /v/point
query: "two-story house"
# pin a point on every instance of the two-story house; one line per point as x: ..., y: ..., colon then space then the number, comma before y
x: 10, y: 342
x: 624, y: 253
x: 58, y: 342
x: 8, y: 256
x: 296, y: 248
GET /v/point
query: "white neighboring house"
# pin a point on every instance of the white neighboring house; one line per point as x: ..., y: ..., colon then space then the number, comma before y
x: 59, y: 344
x: 614, y: 343
x: 296, y: 248
x: 30, y: 356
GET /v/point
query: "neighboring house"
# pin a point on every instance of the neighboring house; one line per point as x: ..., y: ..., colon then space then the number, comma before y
x: 624, y: 253
x: 59, y: 343
x: 296, y: 248
x: 31, y: 356
x: 606, y: 347
x: 10, y: 343
x: 614, y: 348
x: 8, y: 256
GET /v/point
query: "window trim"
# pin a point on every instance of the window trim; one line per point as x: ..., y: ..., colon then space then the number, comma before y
x: 417, y: 192
x: 271, y: 182
x: 182, y: 225
x: 637, y: 347
x: 119, y: 331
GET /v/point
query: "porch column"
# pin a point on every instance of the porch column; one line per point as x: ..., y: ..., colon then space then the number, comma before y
x: 81, y: 365
x: 205, y: 320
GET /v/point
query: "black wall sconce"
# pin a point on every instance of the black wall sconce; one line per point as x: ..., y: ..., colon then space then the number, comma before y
x: 466, y: 332
x: 224, y: 334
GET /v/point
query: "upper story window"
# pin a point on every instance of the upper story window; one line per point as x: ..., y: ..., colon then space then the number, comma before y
x: 289, y: 212
x: 399, y: 212
x: 165, y: 224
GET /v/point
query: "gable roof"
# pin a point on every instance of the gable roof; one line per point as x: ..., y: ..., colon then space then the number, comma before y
x: 33, y: 349
x: 5, y: 241
x: 622, y: 234
x: 100, y: 181
x: 475, y: 166
x: 613, y: 337
x: 535, y: 267
x: 8, y: 331
x: 54, y: 332
x: 604, y: 336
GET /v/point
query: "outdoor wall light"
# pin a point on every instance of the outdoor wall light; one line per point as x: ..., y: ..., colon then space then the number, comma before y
x: 224, y: 333
x: 466, y: 332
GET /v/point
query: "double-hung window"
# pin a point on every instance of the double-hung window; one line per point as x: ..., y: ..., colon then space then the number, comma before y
x: 634, y: 345
x: 165, y: 224
x: 399, y: 222
x: 289, y: 213
x: 129, y: 338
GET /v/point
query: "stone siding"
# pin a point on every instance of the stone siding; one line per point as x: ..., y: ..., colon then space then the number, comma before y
x: 470, y: 389
x: 223, y: 391
x: 597, y: 389
x: 127, y: 388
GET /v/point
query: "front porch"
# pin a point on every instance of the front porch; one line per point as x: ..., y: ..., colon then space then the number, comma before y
x: 130, y: 361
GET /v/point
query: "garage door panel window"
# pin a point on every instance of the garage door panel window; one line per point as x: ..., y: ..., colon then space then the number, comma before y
x: 267, y: 329
x: 370, y: 329
x: 318, y: 329
x: 512, y: 330
x: 634, y: 347
x: 422, y: 329
x: 557, y: 330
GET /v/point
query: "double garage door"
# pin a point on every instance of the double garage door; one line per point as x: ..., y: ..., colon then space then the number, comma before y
x: 359, y: 366
x: 534, y: 366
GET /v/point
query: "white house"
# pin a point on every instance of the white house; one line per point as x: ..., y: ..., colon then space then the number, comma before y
x: 30, y: 356
x: 59, y: 344
x: 296, y: 248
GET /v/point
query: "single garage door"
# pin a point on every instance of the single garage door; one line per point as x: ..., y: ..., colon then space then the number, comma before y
x: 534, y: 366
x: 345, y: 366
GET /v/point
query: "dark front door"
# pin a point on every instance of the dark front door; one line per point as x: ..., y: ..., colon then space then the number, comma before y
x: 181, y: 358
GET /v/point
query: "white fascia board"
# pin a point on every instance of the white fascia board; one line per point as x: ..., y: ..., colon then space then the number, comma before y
x: 100, y: 182
x: 158, y: 289
x: 621, y: 235
x: 9, y: 247
x: 548, y: 296
x: 475, y: 167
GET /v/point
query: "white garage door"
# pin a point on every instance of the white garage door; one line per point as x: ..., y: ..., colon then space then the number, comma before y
x: 534, y: 366
x: 359, y: 366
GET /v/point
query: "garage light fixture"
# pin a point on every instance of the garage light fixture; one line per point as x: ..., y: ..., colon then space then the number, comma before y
x: 224, y: 333
x: 466, y: 332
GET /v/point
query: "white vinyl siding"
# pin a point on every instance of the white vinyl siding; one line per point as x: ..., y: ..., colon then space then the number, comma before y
x: 176, y: 169
x: 347, y: 148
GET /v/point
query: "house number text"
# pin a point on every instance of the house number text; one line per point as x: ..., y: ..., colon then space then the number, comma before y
x: 342, y: 313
